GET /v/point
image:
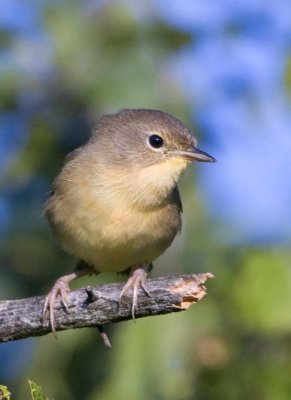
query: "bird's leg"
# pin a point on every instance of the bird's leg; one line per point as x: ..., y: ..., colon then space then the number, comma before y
x: 61, y: 288
x: 135, y: 281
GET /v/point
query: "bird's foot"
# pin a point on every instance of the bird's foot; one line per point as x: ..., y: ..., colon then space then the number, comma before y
x: 135, y: 281
x: 61, y: 289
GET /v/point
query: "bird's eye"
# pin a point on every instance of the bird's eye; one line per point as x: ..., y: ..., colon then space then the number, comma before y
x: 156, y: 141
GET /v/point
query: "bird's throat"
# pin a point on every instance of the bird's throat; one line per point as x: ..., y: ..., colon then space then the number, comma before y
x: 155, y: 183
x: 144, y: 188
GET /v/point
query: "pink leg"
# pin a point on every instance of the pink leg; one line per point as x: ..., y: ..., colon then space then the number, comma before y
x: 61, y: 288
x: 135, y: 281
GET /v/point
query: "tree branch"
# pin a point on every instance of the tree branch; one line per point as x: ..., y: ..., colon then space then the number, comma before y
x: 98, y: 306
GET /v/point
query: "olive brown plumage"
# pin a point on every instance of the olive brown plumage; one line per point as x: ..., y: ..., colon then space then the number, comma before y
x: 115, y: 204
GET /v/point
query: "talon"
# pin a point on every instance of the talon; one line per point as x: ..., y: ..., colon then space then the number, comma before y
x: 145, y: 289
x: 133, y: 308
x: 61, y: 289
x: 135, y: 281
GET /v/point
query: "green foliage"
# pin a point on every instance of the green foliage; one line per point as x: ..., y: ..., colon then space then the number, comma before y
x: 36, y: 391
x: 261, y: 291
x: 4, y: 393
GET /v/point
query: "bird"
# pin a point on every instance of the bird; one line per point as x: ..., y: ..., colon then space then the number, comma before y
x: 115, y: 204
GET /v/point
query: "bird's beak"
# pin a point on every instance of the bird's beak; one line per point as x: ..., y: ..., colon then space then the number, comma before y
x: 194, y: 154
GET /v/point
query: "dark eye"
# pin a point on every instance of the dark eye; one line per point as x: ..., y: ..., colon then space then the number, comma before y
x: 156, y: 141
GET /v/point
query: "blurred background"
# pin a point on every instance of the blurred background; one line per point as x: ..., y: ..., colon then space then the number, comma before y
x: 223, y: 68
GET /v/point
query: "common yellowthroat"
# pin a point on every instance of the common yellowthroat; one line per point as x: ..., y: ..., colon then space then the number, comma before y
x: 115, y: 204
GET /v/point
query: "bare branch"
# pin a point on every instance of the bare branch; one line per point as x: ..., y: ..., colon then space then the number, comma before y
x: 98, y: 306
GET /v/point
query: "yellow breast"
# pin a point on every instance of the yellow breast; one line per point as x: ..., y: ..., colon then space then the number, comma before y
x: 115, y: 222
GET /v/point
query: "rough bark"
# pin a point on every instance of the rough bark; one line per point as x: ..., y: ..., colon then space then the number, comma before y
x: 98, y: 306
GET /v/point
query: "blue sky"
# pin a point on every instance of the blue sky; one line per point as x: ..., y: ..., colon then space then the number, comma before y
x: 233, y: 73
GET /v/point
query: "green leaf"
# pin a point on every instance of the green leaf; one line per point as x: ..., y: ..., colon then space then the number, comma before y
x: 4, y: 393
x: 36, y: 391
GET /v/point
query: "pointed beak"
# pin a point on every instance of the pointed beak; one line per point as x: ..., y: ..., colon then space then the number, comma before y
x: 199, y: 155
x: 194, y: 154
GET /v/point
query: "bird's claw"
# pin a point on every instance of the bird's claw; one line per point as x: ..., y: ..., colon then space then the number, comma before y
x: 60, y: 289
x: 135, y: 281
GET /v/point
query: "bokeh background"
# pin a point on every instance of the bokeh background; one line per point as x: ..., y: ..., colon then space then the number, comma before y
x: 224, y: 68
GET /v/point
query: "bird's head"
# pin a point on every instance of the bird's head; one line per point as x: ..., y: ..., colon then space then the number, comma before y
x: 137, y: 137
x: 151, y: 144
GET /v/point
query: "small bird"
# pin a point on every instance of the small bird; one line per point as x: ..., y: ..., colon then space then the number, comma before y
x: 115, y: 204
